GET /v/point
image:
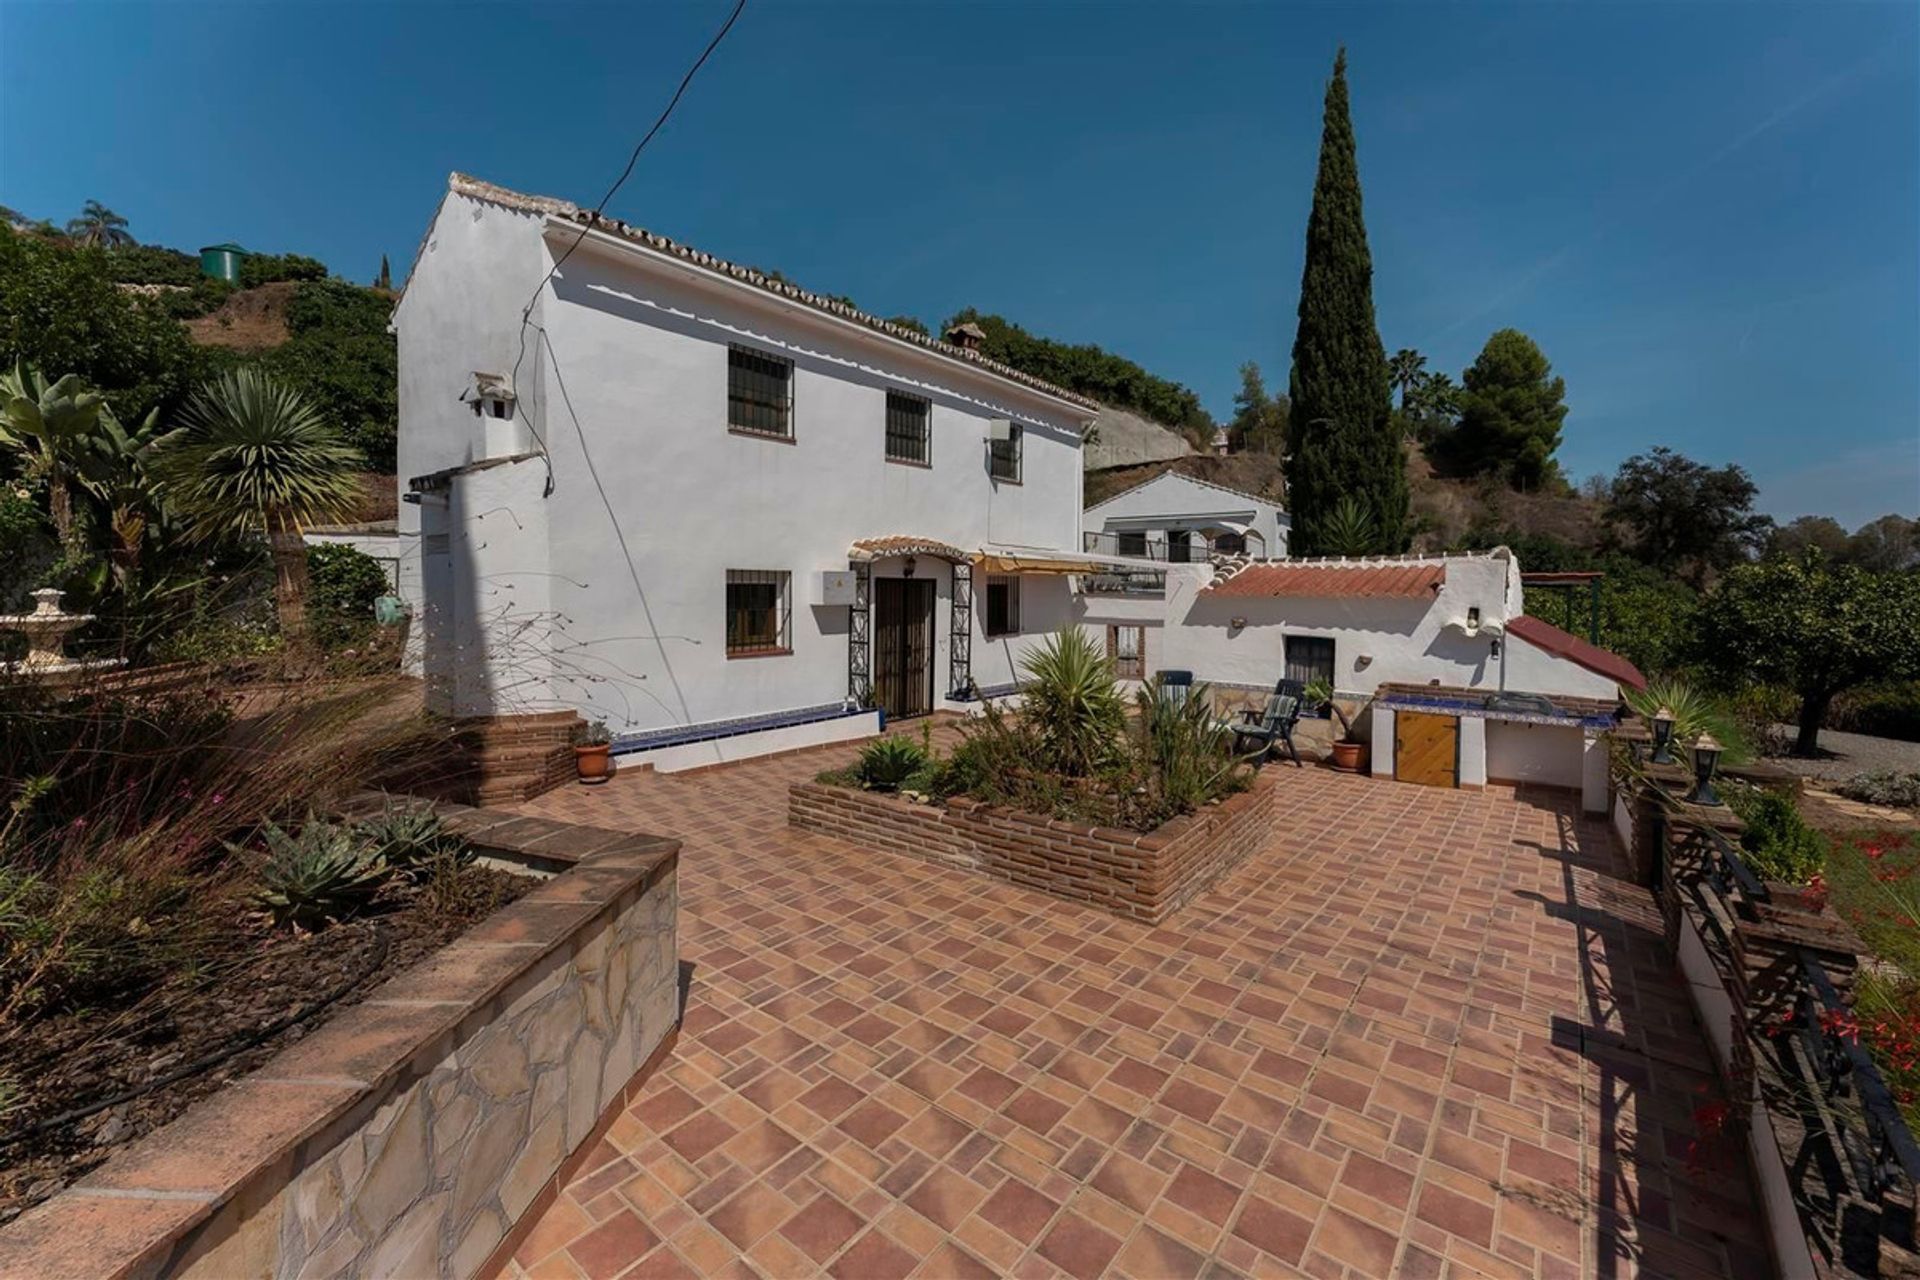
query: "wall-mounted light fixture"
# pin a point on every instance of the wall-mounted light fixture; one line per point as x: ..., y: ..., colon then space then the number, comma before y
x: 906, y: 569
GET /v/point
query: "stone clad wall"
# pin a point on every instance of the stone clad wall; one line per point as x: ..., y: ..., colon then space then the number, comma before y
x: 409, y: 1134
x: 1145, y: 876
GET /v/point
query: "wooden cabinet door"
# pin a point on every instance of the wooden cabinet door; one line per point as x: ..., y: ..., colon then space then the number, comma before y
x: 1426, y: 748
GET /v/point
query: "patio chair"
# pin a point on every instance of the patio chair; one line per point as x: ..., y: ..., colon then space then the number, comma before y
x: 1176, y: 687
x: 1258, y: 734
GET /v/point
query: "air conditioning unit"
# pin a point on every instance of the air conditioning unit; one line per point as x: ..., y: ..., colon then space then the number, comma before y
x: 1000, y: 429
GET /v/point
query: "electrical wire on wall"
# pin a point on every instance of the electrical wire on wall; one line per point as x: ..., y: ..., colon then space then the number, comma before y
x: 593, y: 219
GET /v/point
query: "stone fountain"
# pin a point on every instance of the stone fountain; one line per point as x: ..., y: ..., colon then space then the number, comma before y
x: 46, y: 630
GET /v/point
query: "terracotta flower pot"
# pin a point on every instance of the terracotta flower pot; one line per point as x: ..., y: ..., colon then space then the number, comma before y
x: 594, y: 762
x: 1350, y: 757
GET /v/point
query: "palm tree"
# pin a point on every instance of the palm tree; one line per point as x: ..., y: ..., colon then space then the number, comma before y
x: 100, y: 227
x: 1404, y: 371
x: 255, y: 456
x: 53, y: 425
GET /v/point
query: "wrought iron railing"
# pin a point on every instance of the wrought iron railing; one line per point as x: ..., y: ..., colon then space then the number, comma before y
x: 1786, y: 1009
x: 1196, y: 549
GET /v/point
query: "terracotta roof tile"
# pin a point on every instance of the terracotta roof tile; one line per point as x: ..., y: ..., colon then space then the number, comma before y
x: 477, y: 189
x: 1412, y: 580
x: 1564, y: 644
x: 905, y: 545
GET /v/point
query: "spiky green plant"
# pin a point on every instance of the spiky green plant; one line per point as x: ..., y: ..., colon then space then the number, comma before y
x: 1320, y: 694
x: 1694, y: 712
x: 323, y: 874
x: 255, y: 456
x: 887, y: 763
x: 1188, y: 753
x: 1349, y: 529
x: 1071, y: 699
x: 412, y: 840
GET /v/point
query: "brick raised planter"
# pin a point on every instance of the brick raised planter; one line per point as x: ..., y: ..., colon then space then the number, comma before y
x: 412, y: 1133
x: 1144, y: 876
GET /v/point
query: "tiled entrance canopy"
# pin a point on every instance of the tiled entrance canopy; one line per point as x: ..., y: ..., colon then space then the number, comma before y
x: 906, y: 545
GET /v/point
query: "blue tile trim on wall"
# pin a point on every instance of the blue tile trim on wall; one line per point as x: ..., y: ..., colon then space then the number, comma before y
x: 1461, y: 707
x: 683, y: 734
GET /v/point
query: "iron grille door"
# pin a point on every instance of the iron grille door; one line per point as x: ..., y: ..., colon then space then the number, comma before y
x: 903, y: 646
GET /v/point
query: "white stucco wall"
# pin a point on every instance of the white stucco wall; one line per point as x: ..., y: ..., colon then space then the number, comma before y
x: 1536, y: 671
x: 1547, y: 754
x: 1174, y: 501
x: 654, y: 499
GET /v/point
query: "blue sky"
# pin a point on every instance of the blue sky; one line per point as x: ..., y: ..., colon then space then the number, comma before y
x: 1707, y: 214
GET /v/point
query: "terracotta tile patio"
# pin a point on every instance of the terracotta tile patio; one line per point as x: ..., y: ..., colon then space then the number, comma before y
x: 1425, y: 1033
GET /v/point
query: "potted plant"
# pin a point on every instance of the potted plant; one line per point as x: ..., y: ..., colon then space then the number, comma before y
x: 1349, y: 753
x: 592, y: 751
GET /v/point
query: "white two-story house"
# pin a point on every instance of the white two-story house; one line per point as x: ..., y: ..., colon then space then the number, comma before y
x: 720, y: 513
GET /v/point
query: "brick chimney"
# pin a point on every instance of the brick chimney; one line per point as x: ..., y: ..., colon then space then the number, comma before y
x: 967, y: 337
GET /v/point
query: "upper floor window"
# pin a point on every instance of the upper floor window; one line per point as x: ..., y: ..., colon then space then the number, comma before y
x: 1132, y: 542
x: 1003, y: 456
x: 1230, y: 544
x: 1003, y: 605
x: 759, y: 393
x: 908, y: 420
x: 759, y: 619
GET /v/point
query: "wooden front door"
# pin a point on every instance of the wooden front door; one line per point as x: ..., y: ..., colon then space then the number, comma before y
x: 1426, y: 748
x: 903, y: 646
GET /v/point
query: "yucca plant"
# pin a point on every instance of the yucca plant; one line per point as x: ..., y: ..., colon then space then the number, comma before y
x: 322, y: 875
x: 1349, y: 529
x: 887, y: 764
x: 1071, y: 699
x: 1188, y: 752
x: 1694, y: 712
x: 412, y: 841
x: 255, y: 456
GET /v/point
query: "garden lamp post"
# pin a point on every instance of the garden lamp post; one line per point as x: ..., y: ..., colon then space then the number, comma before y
x: 1663, y: 735
x: 1706, y: 755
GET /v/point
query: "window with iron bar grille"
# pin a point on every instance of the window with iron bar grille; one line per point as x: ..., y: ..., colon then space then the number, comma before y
x: 759, y: 392
x: 908, y: 438
x: 1003, y: 605
x: 1003, y: 456
x: 759, y: 612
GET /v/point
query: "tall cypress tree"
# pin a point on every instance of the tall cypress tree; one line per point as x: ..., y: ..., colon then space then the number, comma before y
x: 1344, y: 440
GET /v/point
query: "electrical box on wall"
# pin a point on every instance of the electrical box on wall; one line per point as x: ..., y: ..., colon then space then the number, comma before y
x: 834, y: 586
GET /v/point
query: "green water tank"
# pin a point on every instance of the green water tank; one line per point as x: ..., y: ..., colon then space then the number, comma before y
x: 222, y: 262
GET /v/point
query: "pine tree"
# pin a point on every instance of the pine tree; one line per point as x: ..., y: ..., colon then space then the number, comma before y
x: 1511, y: 411
x: 1341, y: 426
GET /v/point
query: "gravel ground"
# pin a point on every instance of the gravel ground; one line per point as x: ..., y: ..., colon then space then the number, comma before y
x: 1844, y: 754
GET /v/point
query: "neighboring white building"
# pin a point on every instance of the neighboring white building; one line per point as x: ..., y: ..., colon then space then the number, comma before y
x: 1176, y: 517
x: 1418, y: 643
x: 711, y: 509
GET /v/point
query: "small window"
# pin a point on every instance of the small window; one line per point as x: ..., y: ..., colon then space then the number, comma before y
x: 1127, y: 646
x: 1230, y: 544
x: 1003, y: 456
x: 1003, y: 605
x: 1310, y: 658
x: 759, y: 393
x: 907, y: 422
x: 758, y: 617
x: 1133, y: 542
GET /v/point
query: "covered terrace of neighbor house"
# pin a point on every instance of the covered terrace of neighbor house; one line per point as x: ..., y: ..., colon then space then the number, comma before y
x: 1420, y: 1033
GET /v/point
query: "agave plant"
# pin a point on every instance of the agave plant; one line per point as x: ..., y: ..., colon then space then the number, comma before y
x: 322, y: 875
x: 411, y: 840
x: 1070, y: 697
x: 885, y: 765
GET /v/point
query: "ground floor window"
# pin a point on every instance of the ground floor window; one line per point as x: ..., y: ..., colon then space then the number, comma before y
x: 1310, y: 658
x: 1127, y: 646
x: 759, y: 618
x: 1003, y: 605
